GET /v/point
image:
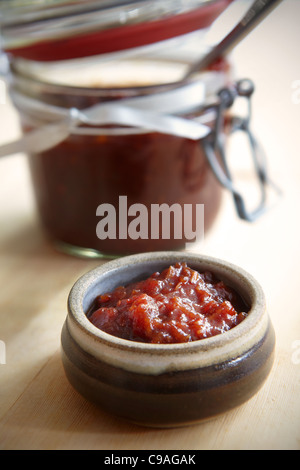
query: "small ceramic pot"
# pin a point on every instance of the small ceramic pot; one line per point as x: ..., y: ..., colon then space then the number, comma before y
x: 165, y: 385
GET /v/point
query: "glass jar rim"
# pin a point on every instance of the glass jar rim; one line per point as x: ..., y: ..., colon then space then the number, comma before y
x: 26, y: 73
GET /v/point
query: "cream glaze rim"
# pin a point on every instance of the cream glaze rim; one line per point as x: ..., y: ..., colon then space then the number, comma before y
x: 155, y: 359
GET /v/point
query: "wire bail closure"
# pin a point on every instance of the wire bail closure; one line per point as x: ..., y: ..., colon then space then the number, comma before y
x: 214, y: 148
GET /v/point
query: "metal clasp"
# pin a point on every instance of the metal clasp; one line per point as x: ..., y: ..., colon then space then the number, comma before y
x: 214, y: 147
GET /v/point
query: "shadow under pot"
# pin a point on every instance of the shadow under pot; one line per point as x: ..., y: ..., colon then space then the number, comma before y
x: 166, y: 385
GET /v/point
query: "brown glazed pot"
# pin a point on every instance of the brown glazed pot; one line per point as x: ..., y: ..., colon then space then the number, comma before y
x: 165, y: 385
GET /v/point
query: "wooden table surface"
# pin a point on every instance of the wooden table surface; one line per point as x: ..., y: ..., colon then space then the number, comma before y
x: 38, y: 407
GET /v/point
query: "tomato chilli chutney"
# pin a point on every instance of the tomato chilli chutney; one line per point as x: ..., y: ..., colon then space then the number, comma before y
x: 175, y: 306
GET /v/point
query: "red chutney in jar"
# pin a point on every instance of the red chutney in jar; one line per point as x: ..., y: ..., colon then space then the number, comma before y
x: 175, y: 306
x: 78, y: 175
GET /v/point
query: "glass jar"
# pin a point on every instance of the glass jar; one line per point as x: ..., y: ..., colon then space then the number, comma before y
x: 125, y: 157
x: 108, y: 167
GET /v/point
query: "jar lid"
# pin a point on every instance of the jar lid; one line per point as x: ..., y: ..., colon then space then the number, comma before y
x: 69, y: 29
